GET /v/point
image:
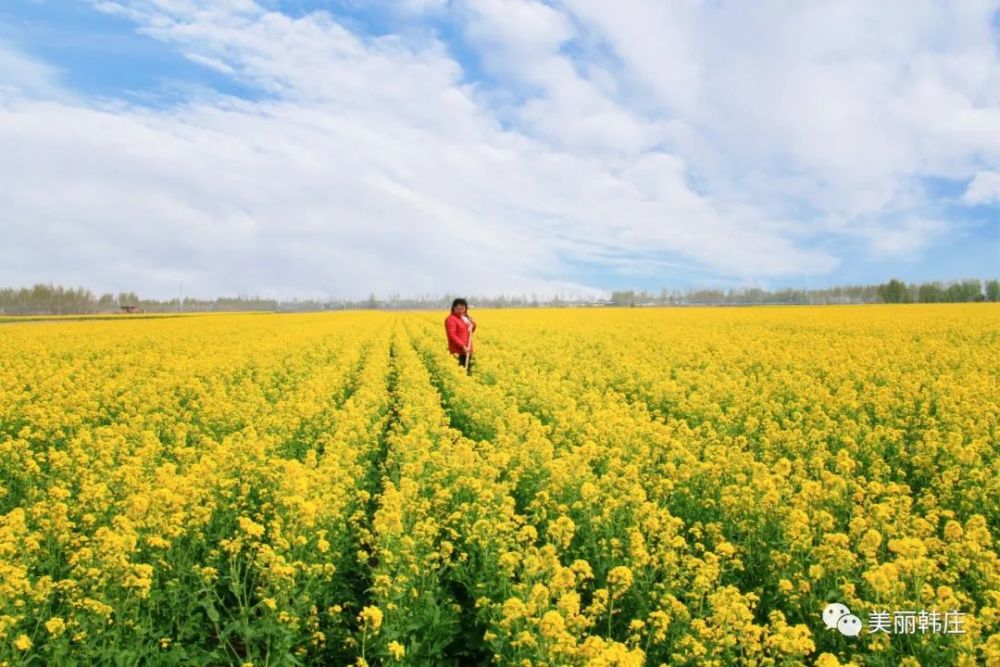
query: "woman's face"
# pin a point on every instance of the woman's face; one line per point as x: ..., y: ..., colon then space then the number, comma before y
x: 459, y: 310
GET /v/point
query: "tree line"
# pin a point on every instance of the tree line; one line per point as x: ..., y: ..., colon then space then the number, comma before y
x: 44, y: 299
x: 894, y: 291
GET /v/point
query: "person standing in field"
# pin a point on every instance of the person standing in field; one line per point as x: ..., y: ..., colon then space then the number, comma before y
x: 459, y: 327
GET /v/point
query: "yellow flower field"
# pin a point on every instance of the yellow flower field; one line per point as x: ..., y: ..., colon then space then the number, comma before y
x: 609, y: 487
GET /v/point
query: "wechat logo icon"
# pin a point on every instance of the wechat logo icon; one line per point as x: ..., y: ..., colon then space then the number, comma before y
x: 838, y: 617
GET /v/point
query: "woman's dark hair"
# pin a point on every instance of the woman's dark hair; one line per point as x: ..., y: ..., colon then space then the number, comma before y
x: 459, y: 302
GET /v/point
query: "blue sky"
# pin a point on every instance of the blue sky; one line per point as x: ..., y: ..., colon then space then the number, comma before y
x: 101, y: 55
x: 496, y: 146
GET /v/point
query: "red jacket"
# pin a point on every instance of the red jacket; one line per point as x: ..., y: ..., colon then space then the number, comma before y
x: 458, y: 333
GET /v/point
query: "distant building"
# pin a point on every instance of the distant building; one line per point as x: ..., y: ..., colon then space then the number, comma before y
x: 131, y: 309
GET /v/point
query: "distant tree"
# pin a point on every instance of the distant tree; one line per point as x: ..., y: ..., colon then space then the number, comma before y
x: 973, y: 290
x: 128, y: 299
x: 706, y: 296
x: 965, y: 291
x: 993, y: 290
x: 931, y: 293
x: 755, y: 295
x: 894, y: 292
x: 623, y: 298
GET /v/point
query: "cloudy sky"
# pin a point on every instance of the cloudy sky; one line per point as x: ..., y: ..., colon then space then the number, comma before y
x: 335, y: 148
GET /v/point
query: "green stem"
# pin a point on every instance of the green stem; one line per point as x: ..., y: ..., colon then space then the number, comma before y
x: 611, y: 608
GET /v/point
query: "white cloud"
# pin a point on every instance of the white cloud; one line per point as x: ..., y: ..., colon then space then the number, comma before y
x: 984, y: 188
x: 841, y: 107
x: 904, y: 241
x: 725, y: 138
x: 21, y: 75
x: 524, y: 30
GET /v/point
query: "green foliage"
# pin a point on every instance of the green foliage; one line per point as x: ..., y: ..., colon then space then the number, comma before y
x: 894, y: 292
x: 931, y: 293
x: 993, y: 290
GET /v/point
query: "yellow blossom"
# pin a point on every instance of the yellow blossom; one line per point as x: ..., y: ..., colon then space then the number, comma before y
x: 55, y: 626
x: 396, y: 650
x: 371, y: 617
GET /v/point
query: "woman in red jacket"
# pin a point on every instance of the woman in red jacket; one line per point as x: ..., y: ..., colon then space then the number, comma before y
x: 459, y: 327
